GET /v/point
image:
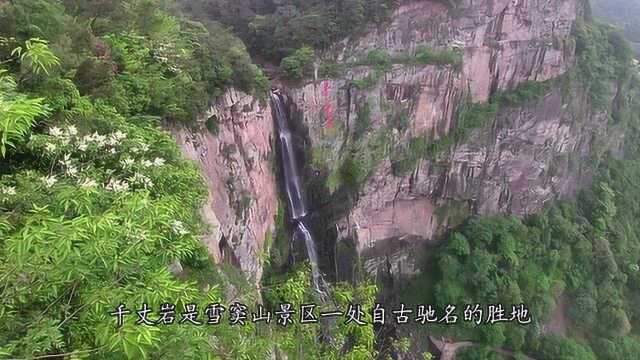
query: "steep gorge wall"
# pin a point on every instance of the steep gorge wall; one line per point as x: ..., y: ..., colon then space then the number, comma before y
x: 236, y: 164
x: 505, y: 42
x: 524, y: 158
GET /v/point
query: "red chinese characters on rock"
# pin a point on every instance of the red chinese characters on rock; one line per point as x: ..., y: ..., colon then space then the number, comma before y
x: 328, y: 109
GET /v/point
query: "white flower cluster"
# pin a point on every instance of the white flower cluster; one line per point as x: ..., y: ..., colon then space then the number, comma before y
x: 127, y: 162
x: 62, y: 135
x: 168, y: 54
x: 65, y: 136
x: 115, y: 138
x: 88, y: 183
x: 117, y: 185
x: 96, y: 139
x: 56, y: 132
x: 105, y: 143
x: 178, y: 228
x: 69, y: 168
x: 50, y: 147
x: 143, y: 180
x: 49, y: 180
x: 141, y: 148
x: 156, y: 162
x: 457, y: 44
x: 8, y: 190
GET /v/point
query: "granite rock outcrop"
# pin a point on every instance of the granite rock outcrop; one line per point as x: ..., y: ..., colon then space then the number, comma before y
x: 232, y: 145
x: 526, y: 156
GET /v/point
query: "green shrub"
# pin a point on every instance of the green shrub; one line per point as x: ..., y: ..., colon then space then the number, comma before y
x: 525, y: 92
x: 212, y: 125
x: 439, y: 57
x: 298, y: 65
x: 557, y: 347
x: 368, y: 81
x: 478, y: 353
x: 470, y: 116
x: 331, y: 69
x: 381, y: 60
x: 363, y: 121
x: 603, y: 56
x: 351, y: 172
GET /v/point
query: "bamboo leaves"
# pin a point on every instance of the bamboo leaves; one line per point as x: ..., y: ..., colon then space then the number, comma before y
x: 17, y: 114
x: 36, y: 56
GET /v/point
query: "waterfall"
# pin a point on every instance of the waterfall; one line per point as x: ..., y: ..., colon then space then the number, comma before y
x: 293, y: 187
x: 313, y: 256
x: 294, y: 191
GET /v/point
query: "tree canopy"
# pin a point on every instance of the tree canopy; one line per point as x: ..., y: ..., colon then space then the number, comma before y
x: 97, y: 204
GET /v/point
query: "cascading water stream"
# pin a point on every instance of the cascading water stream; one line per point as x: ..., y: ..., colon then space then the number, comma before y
x: 293, y: 187
x: 295, y: 193
x: 313, y: 256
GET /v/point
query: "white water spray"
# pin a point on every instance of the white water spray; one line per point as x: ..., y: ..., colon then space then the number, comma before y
x: 294, y: 191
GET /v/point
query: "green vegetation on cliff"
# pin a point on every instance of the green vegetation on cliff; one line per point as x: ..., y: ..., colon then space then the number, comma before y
x: 576, y: 262
x: 299, y: 64
x: 277, y: 28
x: 132, y: 55
x: 624, y: 14
x: 604, y: 57
x: 470, y: 116
x: 586, y: 251
x: 98, y: 207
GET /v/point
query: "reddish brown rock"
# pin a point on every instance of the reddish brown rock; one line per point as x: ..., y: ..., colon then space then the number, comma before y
x: 242, y: 188
x: 520, y: 161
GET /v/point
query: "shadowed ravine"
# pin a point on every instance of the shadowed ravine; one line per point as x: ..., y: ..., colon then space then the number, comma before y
x: 295, y: 194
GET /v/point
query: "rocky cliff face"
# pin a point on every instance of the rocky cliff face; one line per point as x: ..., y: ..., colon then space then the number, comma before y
x: 527, y: 156
x: 234, y: 154
x: 505, y: 41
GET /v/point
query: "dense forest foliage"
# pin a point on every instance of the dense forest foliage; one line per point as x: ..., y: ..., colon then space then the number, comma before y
x: 97, y: 205
x: 276, y: 28
x: 133, y: 55
x: 585, y: 252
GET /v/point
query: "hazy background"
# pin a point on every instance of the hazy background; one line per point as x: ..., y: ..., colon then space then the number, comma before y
x: 623, y: 13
